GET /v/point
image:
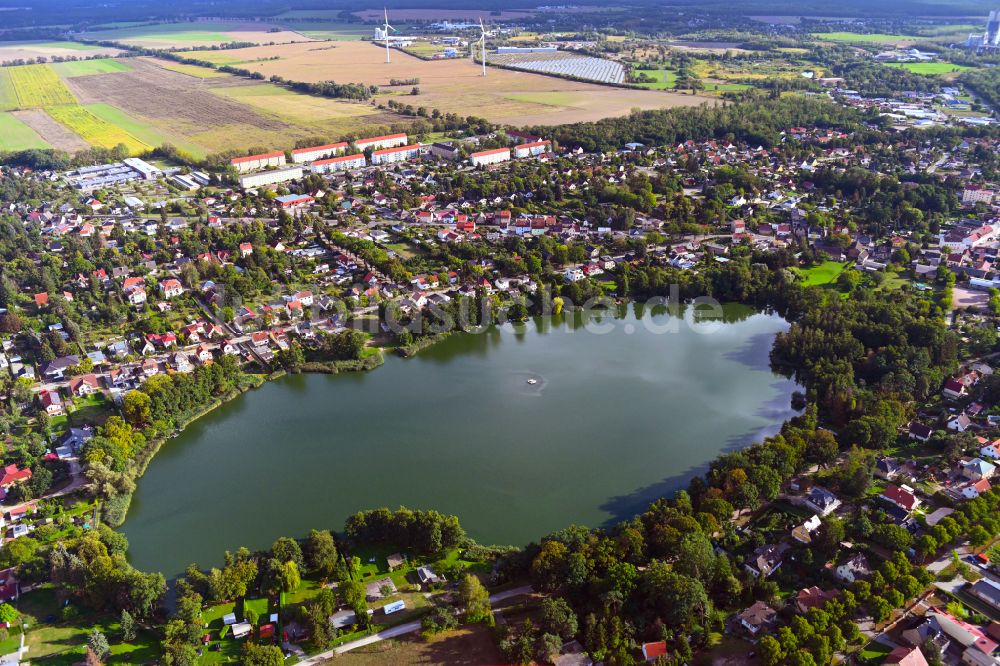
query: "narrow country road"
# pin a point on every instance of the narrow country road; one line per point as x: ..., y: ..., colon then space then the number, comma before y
x: 399, y: 630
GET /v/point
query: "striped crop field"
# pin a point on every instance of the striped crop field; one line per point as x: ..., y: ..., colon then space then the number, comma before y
x: 38, y: 86
x: 94, y: 130
x: 8, y: 96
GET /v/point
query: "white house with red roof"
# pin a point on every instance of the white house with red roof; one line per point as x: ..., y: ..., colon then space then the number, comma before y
x: 171, y: 288
x: 901, y: 496
x: 12, y: 476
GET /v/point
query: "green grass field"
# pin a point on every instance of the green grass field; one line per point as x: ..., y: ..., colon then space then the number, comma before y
x: 15, y: 135
x: 825, y: 273
x: 929, y: 68
x: 666, y: 79
x: 89, y: 67
x: 862, y: 38
x: 8, y: 95
x: 168, y: 32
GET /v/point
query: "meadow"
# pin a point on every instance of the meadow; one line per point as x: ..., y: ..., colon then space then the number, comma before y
x: 864, y: 38
x: 453, y: 85
x: 666, y: 79
x: 930, y: 68
x: 74, y: 68
x: 15, y: 135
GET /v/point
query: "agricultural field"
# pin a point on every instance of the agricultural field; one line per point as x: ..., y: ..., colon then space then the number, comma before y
x: 454, y: 85
x: 398, y: 15
x: 864, y: 38
x: 191, y: 70
x: 8, y: 96
x: 195, y: 33
x: 930, y: 68
x: 13, y: 51
x: 38, y: 86
x: 15, y: 135
x: 564, y: 64
x: 89, y: 67
x: 94, y: 130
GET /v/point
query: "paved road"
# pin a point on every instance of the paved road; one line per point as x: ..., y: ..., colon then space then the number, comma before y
x: 400, y: 630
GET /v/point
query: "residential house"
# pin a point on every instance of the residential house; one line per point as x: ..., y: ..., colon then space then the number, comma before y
x: 856, y: 568
x: 991, y: 450
x: 765, y: 560
x: 84, y: 385
x: 56, y: 369
x: 822, y: 501
x: 954, y: 389
x: 812, y: 597
x: 10, y: 590
x: 171, y: 288
x: 987, y: 590
x: 52, y: 402
x: 655, y: 650
x: 959, y: 423
x: 12, y: 476
x: 974, y: 489
x: 887, y: 468
x: 758, y: 618
x: 901, y: 496
x: 803, y: 533
x: 920, y: 432
x: 906, y: 656
x: 977, y: 469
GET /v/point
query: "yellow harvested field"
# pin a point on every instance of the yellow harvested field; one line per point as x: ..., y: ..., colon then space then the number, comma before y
x: 191, y: 70
x: 39, y: 86
x: 12, y: 51
x: 454, y: 86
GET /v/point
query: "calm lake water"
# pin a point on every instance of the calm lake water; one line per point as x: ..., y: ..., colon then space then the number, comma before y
x: 614, y: 421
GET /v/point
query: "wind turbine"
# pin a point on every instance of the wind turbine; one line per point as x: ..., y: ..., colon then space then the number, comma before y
x: 386, y: 28
x: 482, y: 40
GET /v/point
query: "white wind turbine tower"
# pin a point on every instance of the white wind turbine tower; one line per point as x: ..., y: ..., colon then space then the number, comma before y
x: 482, y: 40
x: 386, y: 28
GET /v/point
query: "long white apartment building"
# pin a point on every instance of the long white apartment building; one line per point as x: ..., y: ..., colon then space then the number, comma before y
x: 313, y: 153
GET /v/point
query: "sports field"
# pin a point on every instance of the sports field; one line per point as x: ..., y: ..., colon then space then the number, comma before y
x: 451, y: 86
x: 930, y: 68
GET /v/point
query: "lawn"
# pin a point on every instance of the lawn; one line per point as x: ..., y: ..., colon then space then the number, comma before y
x: 15, y: 135
x: 929, y: 68
x: 874, y: 653
x: 93, y: 409
x: 823, y: 274
x: 71, y: 69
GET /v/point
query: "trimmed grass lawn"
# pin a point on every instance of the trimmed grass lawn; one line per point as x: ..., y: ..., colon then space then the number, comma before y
x: 92, y: 409
x: 15, y: 135
x: 929, y: 68
x: 874, y: 653
x: 823, y: 274
x: 90, y: 67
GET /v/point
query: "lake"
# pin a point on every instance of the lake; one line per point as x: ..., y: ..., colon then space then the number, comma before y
x: 614, y: 420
